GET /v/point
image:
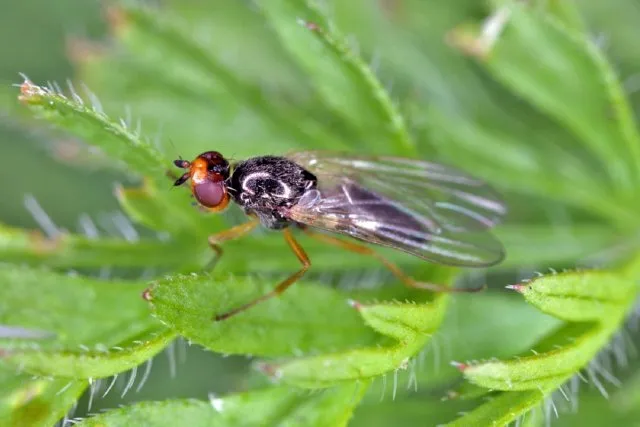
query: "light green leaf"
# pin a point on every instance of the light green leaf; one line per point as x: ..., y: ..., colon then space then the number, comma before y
x: 162, y: 207
x: 275, y: 406
x: 29, y: 401
x: 85, y: 119
x: 343, y: 80
x: 283, y: 327
x: 87, y: 340
x: 502, y: 409
x: 566, y: 12
x: 549, y: 364
x: 188, y: 251
x: 411, y: 325
x: 508, y: 327
x: 73, y: 251
x: 173, y: 43
x: 580, y: 103
x: 594, y: 304
x: 294, y: 323
x: 581, y: 296
x: 407, y: 327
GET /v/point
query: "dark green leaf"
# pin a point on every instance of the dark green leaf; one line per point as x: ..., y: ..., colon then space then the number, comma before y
x: 87, y: 338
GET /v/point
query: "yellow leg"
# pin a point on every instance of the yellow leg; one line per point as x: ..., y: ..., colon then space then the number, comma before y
x: 282, y: 286
x: 233, y: 233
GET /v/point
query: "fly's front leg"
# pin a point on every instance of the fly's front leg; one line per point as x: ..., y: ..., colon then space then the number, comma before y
x: 232, y: 233
x: 282, y: 286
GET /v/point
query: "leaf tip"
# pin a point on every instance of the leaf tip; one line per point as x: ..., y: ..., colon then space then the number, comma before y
x: 29, y: 92
x: 517, y: 287
x: 480, y: 45
x: 216, y: 403
x: 270, y: 370
x: 146, y: 295
x: 459, y: 365
x: 355, y: 304
x: 308, y: 24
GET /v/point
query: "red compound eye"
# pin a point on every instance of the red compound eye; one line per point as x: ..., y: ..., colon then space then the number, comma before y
x: 211, y: 194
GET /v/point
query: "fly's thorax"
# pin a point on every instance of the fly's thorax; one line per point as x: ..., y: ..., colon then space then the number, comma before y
x: 266, y: 186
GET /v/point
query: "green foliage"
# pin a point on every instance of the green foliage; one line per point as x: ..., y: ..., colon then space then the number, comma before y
x: 87, y: 342
x: 275, y: 406
x: 36, y: 401
x: 594, y: 305
x: 527, y: 102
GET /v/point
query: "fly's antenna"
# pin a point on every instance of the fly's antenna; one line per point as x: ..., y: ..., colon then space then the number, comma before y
x: 174, y: 148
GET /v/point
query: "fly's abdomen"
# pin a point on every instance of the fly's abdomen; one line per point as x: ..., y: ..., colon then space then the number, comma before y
x: 367, y: 210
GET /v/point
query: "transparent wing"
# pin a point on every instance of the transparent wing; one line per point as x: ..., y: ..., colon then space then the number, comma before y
x: 429, y: 210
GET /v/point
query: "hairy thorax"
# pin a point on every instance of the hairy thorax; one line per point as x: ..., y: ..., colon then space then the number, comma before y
x: 267, y: 186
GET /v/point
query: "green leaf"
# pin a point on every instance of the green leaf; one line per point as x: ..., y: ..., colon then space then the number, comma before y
x: 173, y: 42
x: 501, y: 410
x: 579, y: 103
x: 187, y: 251
x: 410, y: 325
x: 28, y: 401
x: 170, y: 210
x: 73, y: 251
x: 87, y: 121
x: 342, y: 79
x: 275, y: 406
x: 294, y: 323
x: 407, y: 327
x: 594, y: 305
x: 566, y: 12
x: 421, y: 409
x: 86, y: 362
x: 87, y: 339
x: 508, y: 327
x: 249, y: 79
x: 549, y: 364
x: 283, y: 327
x: 581, y: 296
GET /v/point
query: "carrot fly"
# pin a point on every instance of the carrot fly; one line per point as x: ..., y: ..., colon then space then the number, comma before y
x: 428, y: 210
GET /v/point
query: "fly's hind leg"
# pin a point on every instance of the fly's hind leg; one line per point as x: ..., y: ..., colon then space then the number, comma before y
x: 394, y: 269
x: 232, y: 233
x: 282, y: 286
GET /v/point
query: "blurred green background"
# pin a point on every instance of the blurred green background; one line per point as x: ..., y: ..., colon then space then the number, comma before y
x: 34, y: 38
x: 40, y: 31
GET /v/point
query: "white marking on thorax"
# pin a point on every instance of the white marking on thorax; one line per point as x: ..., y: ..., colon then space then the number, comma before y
x: 286, y: 190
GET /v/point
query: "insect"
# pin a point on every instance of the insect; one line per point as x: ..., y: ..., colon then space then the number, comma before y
x: 428, y: 210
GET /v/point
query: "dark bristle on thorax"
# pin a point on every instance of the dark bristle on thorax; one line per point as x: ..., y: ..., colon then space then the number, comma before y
x: 264, y: 186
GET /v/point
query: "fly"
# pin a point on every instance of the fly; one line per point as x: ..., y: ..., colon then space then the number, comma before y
x: 425, y: 209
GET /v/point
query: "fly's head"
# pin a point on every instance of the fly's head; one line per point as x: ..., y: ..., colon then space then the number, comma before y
x: 208, y: 173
